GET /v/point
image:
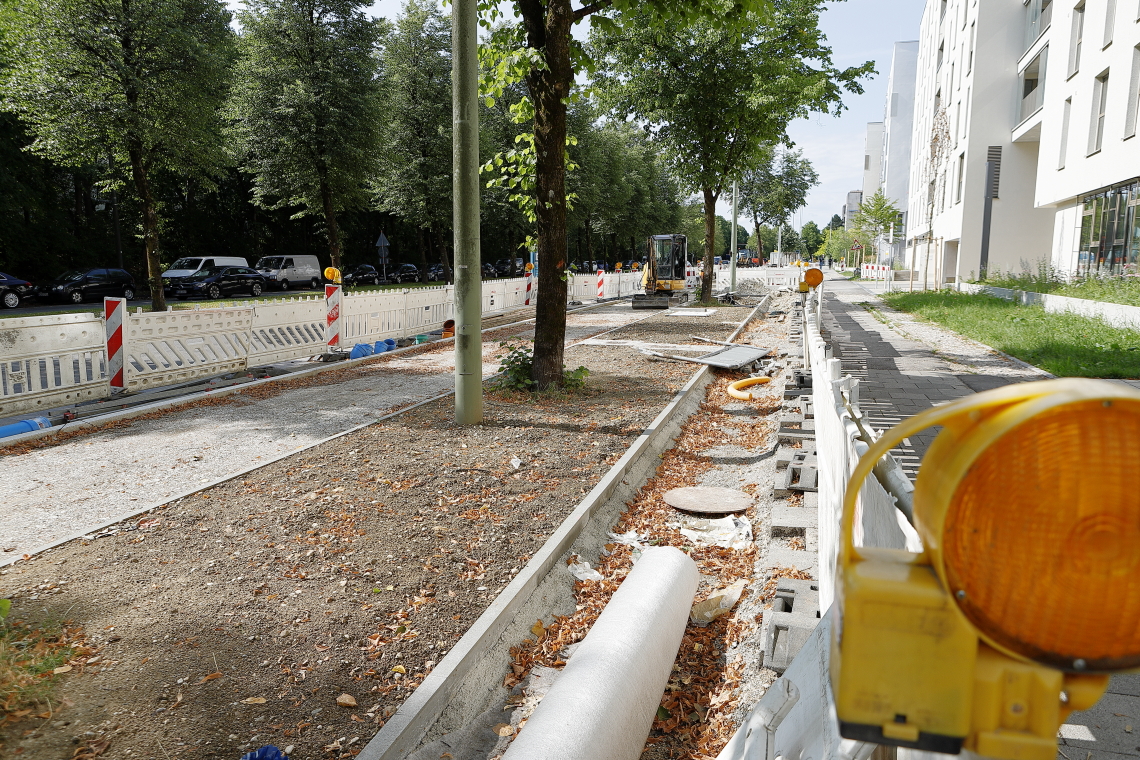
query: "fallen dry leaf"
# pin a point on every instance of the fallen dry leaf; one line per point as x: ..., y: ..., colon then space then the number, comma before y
x: 253, y: 701
x: 503, y: 729
x: 211, y: 677
x: 399, y: 669
x: 62, y: 669
x: 345, y: 700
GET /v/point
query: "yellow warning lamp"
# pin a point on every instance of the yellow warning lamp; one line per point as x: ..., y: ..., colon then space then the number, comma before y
x: 332, y: 274
x: 1026, y: 595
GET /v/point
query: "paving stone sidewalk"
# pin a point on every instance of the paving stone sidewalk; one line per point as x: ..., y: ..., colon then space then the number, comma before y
x: 901, y: 377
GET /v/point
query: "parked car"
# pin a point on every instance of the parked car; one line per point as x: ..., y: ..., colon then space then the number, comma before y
x: 489, y: 272
x: 404, y: 273
x: 286, y: 272
x: 216, y: 282
x: 79, y: 285
x: 13, y: 290
x: 361, y: 274
x: 187, y: 266
x: 503, y: 267
x: 436, y: 273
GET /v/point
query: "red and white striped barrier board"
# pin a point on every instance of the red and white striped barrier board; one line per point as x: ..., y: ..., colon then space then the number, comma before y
x: 113, y: 311
x: 332, y: 318
x: 527, y: 301
x: 601, y: 284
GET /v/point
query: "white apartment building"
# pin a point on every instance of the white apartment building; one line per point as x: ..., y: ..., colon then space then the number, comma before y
x: 851, y: 207
x: 1090, y: 155
x: 873, y: 159
x: 973, y: 172
x: 1030, y: 112
x: 898, y: 128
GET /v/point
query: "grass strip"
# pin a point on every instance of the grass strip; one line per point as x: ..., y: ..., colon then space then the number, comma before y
x: 31, y: 659
x: 1065, y: 344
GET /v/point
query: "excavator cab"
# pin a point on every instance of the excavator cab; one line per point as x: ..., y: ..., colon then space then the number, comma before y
x: 664, y: 275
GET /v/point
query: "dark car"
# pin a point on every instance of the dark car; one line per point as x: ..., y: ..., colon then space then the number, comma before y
x: 404, y: 273
x: 437, y: 273
x: 361, y: 274
x: 215, y: 282
x: 81, y: 285
x: 503, y: 267
x: 489, y: 272
x: 13, y: 290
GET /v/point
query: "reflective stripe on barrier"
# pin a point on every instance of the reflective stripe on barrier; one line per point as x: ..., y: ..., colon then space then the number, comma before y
x: 113, y: 309
x: 332, y: 318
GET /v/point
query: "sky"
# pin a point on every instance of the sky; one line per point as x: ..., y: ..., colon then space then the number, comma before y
x: 857, y: 31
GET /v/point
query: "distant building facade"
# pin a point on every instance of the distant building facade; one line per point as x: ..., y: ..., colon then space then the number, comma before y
x: 898, y: 128
x: 851, y: 207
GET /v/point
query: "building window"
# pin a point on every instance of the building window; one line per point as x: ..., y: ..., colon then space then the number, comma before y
x: 1078, y: 32
x: 1133, y: 104
x: 866, y: 162
x: 1032, y: 86
x: 961, y: 176
x: 1109, y: 21
x: 970, y: 60
x: 1100, y: 101
x: 941, y: 52
x: 1038, y: 15
x: 942, y: 15
x: 1065, y: 133
x: 894, y: 104
x: 1110, y: 231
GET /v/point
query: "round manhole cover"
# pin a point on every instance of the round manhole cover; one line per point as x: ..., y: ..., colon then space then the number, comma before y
x: 708, y: 500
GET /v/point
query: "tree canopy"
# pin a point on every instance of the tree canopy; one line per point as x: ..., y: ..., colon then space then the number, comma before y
x: 305, y: 106
x: 136, y: 84
x: 716, y: 95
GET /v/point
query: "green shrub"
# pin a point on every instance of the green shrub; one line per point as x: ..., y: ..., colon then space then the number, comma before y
x: 517, y: 366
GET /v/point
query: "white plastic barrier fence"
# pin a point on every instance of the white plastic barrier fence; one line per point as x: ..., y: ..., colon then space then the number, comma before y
x: 56, y: 360
x: 52, y: 360
x: 875, y: 272
x: 161, y: 348
x: 842, y: 435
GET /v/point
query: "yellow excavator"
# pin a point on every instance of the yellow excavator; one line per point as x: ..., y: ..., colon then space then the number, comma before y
x: 664, y: 277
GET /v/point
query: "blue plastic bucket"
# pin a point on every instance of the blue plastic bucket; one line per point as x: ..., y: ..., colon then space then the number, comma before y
x: 380, y: 347
x: 360, y: 350
x: 391, y: 343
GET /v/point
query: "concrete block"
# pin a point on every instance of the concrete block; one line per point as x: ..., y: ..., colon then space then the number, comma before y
x: 778, y: 556
x: 793, y: 521
x: 790, y: 622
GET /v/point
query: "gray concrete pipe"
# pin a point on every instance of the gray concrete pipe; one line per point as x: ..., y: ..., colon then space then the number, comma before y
x: 603, y: 703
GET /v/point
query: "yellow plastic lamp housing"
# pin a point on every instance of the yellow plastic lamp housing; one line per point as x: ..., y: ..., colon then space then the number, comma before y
x: 1031, y: 514
x: 1028, y: 506
x: 813, y: 277
x: 332, y: 274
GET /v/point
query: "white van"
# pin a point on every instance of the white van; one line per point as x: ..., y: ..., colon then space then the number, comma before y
x: 287, y: 272
x: 188, y: 266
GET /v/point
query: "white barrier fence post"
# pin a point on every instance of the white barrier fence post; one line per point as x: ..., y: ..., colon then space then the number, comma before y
x: 332, y: 315
x: 527, y: 301
x: 113, y: 310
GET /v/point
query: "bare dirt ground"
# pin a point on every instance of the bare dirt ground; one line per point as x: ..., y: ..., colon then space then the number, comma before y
x: 50, y: 492
x: 301, y: 604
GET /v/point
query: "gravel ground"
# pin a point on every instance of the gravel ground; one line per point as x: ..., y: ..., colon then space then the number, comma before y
x: 300, y: 604
x: 49, y: 493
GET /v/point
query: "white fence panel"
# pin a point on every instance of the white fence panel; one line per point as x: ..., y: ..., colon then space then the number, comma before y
x: 427, y: 309
x: 369, y: 317
x: 169, y: 347
x: 287, y: 329
x: 51, y: 361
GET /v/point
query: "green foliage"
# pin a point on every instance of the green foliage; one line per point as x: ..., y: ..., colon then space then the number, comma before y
x: 517, y: 365
x: 5, y: 608
x: 777, y: 185
x: 306, y: 106
x: 812, y: 238
x: 1065, y: 344
x: 836, y: 222
x: 837, y: 244
x: 413, y: 178
x: 875, y: 217
x: 117, y: 84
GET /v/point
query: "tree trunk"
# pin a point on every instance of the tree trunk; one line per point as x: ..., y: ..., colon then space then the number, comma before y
x: 441, y: 241
x: 710, y: 244
x: 421, y: 249
x: 150, y: 226
x: 333, y: 232
x: 548, y: 30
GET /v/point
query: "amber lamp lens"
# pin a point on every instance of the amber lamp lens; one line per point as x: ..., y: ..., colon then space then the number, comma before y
x: 1042, y: 538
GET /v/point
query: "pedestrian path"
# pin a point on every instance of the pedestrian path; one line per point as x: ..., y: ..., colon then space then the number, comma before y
x: 899, y: 377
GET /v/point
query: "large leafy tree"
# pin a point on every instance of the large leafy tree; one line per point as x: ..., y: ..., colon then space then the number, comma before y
x: 776, y: 186
x: 540, y: 50
x: 306, y: 106
x: 812, y: 238
x: 716, y: 94
x: 414, y: 179
x: 134, y: 83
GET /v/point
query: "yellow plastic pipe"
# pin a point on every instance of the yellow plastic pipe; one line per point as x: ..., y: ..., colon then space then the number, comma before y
x: 736, y: 389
